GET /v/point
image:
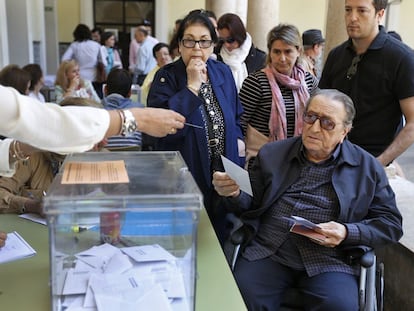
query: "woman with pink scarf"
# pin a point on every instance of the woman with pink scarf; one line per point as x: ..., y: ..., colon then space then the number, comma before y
x: 274, y: 98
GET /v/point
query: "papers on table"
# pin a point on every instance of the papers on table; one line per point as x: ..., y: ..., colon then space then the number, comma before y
x: 15, y: 248
x: 106, y: 278
x: 34, y: 217
x: 240, y: 175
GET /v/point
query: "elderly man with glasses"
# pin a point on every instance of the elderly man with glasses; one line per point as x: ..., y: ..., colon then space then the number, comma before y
x: 324, y: 178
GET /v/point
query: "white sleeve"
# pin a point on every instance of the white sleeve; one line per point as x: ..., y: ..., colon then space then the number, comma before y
x: 50, y: 126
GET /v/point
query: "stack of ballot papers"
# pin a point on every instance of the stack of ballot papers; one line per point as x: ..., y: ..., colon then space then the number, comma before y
x: 15, y: 248
x: 107, y: 278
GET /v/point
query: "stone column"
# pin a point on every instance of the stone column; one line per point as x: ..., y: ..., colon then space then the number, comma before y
x: 262, y: 16
x: 335, y: 32
x: 219, y: 7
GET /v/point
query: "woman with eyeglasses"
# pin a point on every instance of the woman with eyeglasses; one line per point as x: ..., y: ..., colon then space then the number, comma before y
x: 236, y: 48
x: 203, y: 91
x: 274, y: 98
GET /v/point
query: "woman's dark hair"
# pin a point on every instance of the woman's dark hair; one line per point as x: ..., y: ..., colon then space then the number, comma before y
x: 158, y: 47
x: 82, y: 33
x: 235, y: 25
x: 196, y: 17
x: 14, y: 76
x: 105, y: 36
x: 36, y: 74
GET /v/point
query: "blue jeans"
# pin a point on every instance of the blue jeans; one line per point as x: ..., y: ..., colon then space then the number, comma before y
x: 262, y: 284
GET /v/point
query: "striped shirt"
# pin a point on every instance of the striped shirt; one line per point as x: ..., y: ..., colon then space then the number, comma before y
x: 256, y: 98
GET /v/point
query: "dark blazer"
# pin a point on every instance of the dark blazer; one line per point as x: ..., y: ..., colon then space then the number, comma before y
x: 169, y: 90
x: 366, y: 201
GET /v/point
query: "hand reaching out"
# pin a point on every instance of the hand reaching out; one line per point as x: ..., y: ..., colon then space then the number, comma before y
x: 3, y: 237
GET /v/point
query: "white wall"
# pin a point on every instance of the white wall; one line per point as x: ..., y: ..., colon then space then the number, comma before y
x: 4, y: 51
x: 19, y: 34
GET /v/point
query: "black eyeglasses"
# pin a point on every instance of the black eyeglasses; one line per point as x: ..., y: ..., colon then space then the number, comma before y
x: 190, y: 43
x: 326, y: 123
x: 229, y: 40
x: 354, y: 67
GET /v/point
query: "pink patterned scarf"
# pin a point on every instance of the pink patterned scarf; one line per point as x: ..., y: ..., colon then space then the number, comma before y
x: 277, y: 121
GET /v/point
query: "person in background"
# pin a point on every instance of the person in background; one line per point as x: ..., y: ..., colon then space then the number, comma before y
x: 14, y: 76
x: 109, y: 54
x: 236, y: 48
x: 70, y: 84
x: 274, y: 98
x: 96, y: 34
x: 145, y: 61
x: 85, y: 51
x: 23, y: 192
x: 162, y: 55
x: 117, y: 96
x: 37, y: 81
x: 313, y: 45
x: 322, y: 177
x: 376, y: 71
x: 74, y: 129
x: 134, y: 47
x: 203, y: 91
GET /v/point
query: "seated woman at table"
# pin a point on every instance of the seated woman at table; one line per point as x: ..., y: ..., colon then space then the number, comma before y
x: 23, y: 192
x: 70, y: 84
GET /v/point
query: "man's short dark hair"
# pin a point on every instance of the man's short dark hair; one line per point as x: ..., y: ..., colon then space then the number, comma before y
x: 380, y: 4
x: 119, y: 81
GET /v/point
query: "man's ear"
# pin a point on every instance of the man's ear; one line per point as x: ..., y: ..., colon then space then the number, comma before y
x: 105, y: 89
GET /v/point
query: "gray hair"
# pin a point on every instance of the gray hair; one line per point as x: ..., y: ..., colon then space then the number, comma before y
x: 340, y: 97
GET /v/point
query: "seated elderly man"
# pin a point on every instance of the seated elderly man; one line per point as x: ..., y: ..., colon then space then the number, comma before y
x: 324, y: 178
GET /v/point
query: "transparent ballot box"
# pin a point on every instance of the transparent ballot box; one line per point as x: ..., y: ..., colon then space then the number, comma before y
x: 122, y: 232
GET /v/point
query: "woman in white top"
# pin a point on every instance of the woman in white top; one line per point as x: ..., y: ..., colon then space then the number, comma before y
x: 69, y: 83
x: 68, y: 129
x: 109, y: 56
x: 85, y: 51
x: 37, y: 81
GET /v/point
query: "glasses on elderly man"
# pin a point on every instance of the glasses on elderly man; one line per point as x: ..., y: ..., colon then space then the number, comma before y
x: 190, y: 43
x: 325, y: 123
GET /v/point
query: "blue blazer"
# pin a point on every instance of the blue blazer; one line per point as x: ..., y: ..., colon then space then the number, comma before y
x: 169, y: 90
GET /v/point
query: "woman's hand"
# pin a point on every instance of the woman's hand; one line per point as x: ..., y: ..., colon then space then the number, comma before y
x: 74, y: 83
x: 196, y: 73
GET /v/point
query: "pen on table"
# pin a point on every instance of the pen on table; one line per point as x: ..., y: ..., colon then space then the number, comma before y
x: 193, y: 125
